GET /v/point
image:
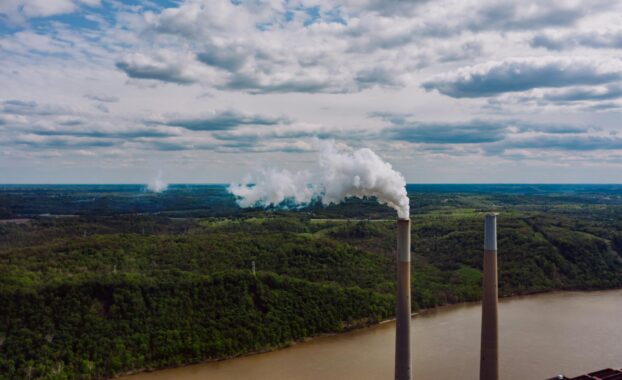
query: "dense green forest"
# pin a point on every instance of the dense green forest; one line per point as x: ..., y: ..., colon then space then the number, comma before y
x: 93, y: 295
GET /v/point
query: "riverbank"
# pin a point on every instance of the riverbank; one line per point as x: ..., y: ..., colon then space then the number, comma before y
x: 351, y: 328
x: 361, y: 329
x: 532, y: 330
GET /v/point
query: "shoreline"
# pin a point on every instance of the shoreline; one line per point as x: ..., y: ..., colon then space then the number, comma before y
x: 361, y: 327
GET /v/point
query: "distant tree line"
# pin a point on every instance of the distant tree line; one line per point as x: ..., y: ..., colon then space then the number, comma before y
x: 138, y: 292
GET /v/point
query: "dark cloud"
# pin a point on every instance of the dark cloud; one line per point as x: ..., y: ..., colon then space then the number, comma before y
x: 222, y: 147
x: 505, y: 15
x: 293, y: 132
x: 238, y: 146
x: 383, y: 76
x: 606, y: 106
x: 162, y: 68
x: 581, y: 94
x: 595, y: 40
x: 50, y: 126
x: 467, y: 50
x: 223, y: 120
x: 473, y: 132
x: 25, y: 108
x: 231, y: 58
x: 103, y: 134
x: 593, y: 97
x: 404, y: 128
x: 385, y: 8
x: 398, y: 119
x: 548, y: 42
x: 582, y: 142
x: 102, y: 98
x: 64, y: 143
x: 168, y: 146
x: 256, y: 147
x: 71, y: 122
x: 515, y: 75
x: 102, y: 107
x: 550, y: 128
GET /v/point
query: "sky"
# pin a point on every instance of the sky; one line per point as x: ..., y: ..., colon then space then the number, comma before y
x: 206, y: 91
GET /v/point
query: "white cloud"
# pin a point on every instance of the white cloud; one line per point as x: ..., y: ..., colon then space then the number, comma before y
x: 18, y: 10
x: 279, y: 56
x: 284, y: 72
x: 43, y: 8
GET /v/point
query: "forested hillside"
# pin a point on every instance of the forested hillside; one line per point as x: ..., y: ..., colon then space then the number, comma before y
x: 92, y: 296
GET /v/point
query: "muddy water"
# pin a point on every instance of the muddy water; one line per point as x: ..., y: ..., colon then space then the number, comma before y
x: 540, y: 336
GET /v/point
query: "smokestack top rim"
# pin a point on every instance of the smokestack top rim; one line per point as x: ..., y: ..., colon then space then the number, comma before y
x: 492, y: 213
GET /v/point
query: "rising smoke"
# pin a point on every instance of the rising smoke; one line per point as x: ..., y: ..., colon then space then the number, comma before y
x: 157, y: 184
x: 341, y: 173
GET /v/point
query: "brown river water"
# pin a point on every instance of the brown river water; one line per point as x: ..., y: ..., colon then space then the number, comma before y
x: 540, y: 336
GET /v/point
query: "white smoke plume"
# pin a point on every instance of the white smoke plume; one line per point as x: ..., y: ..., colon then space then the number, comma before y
x: 157, y: 184
x: 340, y: 174
x: 273, y: 187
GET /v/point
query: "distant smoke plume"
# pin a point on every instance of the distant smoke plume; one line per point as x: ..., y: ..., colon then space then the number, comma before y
x: 341, y: 174
x: 273, y: 187
x: 157, y: 185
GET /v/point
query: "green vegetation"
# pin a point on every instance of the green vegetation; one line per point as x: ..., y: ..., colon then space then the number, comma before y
x: 94, y: 296
x: 96, y: 328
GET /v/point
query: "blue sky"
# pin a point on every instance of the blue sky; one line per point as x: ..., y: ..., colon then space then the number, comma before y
x: 99, y: 91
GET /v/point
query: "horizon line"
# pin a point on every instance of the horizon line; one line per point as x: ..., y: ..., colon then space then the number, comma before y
x: 223, y: 183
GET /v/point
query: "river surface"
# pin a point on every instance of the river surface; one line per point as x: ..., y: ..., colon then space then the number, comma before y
x: 540, y: 336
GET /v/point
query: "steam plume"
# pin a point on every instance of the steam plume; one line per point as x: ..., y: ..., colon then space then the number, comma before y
x: 157, y: 185
x: 339, y: 175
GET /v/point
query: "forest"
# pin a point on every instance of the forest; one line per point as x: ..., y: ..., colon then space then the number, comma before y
x: 100, y: 281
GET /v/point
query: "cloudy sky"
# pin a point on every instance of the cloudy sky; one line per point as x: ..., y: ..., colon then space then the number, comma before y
x: 106, y: 91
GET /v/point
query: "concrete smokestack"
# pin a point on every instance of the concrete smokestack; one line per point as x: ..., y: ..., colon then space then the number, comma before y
x: 402, y: 321
x: 489, y: 360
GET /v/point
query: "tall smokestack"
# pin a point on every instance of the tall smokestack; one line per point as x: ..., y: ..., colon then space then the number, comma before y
x: 489, y: 360
x: 402, y: 321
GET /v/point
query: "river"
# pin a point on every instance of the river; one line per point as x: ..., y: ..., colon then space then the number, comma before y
x: 540, y: 336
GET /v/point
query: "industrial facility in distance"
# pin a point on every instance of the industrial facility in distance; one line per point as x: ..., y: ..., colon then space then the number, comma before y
x: 603, y: 374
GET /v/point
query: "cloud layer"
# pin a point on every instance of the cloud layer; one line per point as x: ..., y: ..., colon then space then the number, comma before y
x: 204, y: 88
x: 522, y: 74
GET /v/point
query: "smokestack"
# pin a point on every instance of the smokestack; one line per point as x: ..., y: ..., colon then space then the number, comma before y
x: 402, y: 321
x: 489, y: 360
